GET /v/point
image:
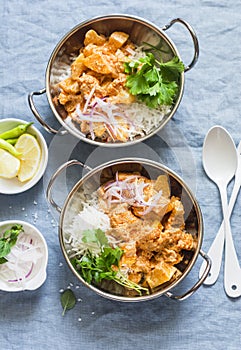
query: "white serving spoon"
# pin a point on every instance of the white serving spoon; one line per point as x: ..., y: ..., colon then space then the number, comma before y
x: 220, y: 162
x: 216, y: 249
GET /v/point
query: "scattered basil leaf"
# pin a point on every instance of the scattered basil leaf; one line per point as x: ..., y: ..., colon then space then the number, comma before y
x: 68, y: 300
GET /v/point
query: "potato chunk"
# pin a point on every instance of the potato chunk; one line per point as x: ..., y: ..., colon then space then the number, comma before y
x: 118, y: 39
x: 97, y: 63
x: 161, y: 273
x: 70, y: 86
x: 91, y: 37
x: 78, y: 67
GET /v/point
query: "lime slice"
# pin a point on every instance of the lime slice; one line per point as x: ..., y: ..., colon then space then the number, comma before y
x: 9, y: 165
x: 30, y: 149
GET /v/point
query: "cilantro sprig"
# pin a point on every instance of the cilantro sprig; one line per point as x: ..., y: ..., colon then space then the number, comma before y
x: 8, y: 240
x: 96, y: 265
x: 152, y: 81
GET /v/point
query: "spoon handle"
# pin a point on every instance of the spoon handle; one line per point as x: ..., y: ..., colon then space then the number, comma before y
x: 216, y: 249
x: 215, y: 253
x: 232, y: 280
x: 232, y: 271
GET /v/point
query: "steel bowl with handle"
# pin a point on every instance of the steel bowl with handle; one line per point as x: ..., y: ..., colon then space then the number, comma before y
x: 139, y: 30
x: 93, y: 179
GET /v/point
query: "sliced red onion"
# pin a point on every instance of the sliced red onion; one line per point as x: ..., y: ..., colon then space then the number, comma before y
x: 26, y: 276
x: 114, y: 193
x: 30, y: 271
x: 19, y: 260
x: 103, y: 111
x: 88, y: 99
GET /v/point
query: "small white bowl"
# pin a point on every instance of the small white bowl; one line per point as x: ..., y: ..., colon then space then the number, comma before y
x: 14, y: 186
x: 36, y: 274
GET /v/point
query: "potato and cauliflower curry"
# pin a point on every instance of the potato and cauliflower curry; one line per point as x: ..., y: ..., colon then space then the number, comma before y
x: 116, y: 91
x: 142, y: 219
x: 97, y: 74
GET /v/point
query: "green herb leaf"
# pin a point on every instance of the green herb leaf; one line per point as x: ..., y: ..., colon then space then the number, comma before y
x: 152, y: 81
x: 4, y: 248
x: 104, y: 265
x: 101, y: 238
x: 171, y: 70
x: 137, y: 84
x: 3, y: 260
x: 95, y: 236
x: 68, y: 300
x: 8, y: 240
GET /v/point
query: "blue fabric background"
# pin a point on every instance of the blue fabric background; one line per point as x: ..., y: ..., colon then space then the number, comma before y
x: 209, y: 319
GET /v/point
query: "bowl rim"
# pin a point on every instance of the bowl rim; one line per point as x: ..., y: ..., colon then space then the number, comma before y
x: 44, y: 158
x: 43, y: 269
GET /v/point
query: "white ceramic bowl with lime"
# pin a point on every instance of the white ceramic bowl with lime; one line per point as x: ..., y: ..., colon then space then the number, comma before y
x: 21, y: 171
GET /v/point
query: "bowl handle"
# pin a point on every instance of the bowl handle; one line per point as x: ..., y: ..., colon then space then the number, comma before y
x: 54, y: 177
x: 38, y: 116
x: 197, y: 284
x: 194, y: 39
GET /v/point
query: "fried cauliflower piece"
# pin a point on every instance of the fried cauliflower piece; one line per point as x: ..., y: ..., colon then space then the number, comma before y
x: 99, y: 129
x: 99, y: 71
x: 152, y: 247
x: 87, y: 82
x: 115, y: 86
x: 98, y: 63
x: 70, y: 86
x: 70, y: 101
x: 121, y: 218
x: 118, y: 39
x: 176, y: 218
x: 91, y: 37
x: 78, y: 67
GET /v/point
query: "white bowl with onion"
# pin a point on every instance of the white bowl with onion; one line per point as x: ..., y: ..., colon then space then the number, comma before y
x: 13, y: 185
x: 26, y: 264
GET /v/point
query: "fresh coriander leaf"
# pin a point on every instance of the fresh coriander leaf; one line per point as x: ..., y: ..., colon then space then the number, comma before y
x: 101, y: 238
x: 152, y: 75
x: 8, y: 240
x: 3, y: 261
x: 171, y: 70
x: 104, y: 265
x: 4, y: 248
x: 155, y: 89
x: 137, y: 84
x: 130, y: 67
x: 154, y: 82
x: 68, y: 300
x: 150, y: 101
x: 88, y: 236
x: 148, y: 59
x: 96, y: 236
x: 127, y: 68
x: 174, y: 64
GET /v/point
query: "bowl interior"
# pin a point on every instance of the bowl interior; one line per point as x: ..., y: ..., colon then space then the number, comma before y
x: 91, y: 182
x: 38, y: 271
x: 14, y: 186
x: 139, y: 30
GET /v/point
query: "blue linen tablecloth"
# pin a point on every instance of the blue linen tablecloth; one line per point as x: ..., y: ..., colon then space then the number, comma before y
x: 207, y: 320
